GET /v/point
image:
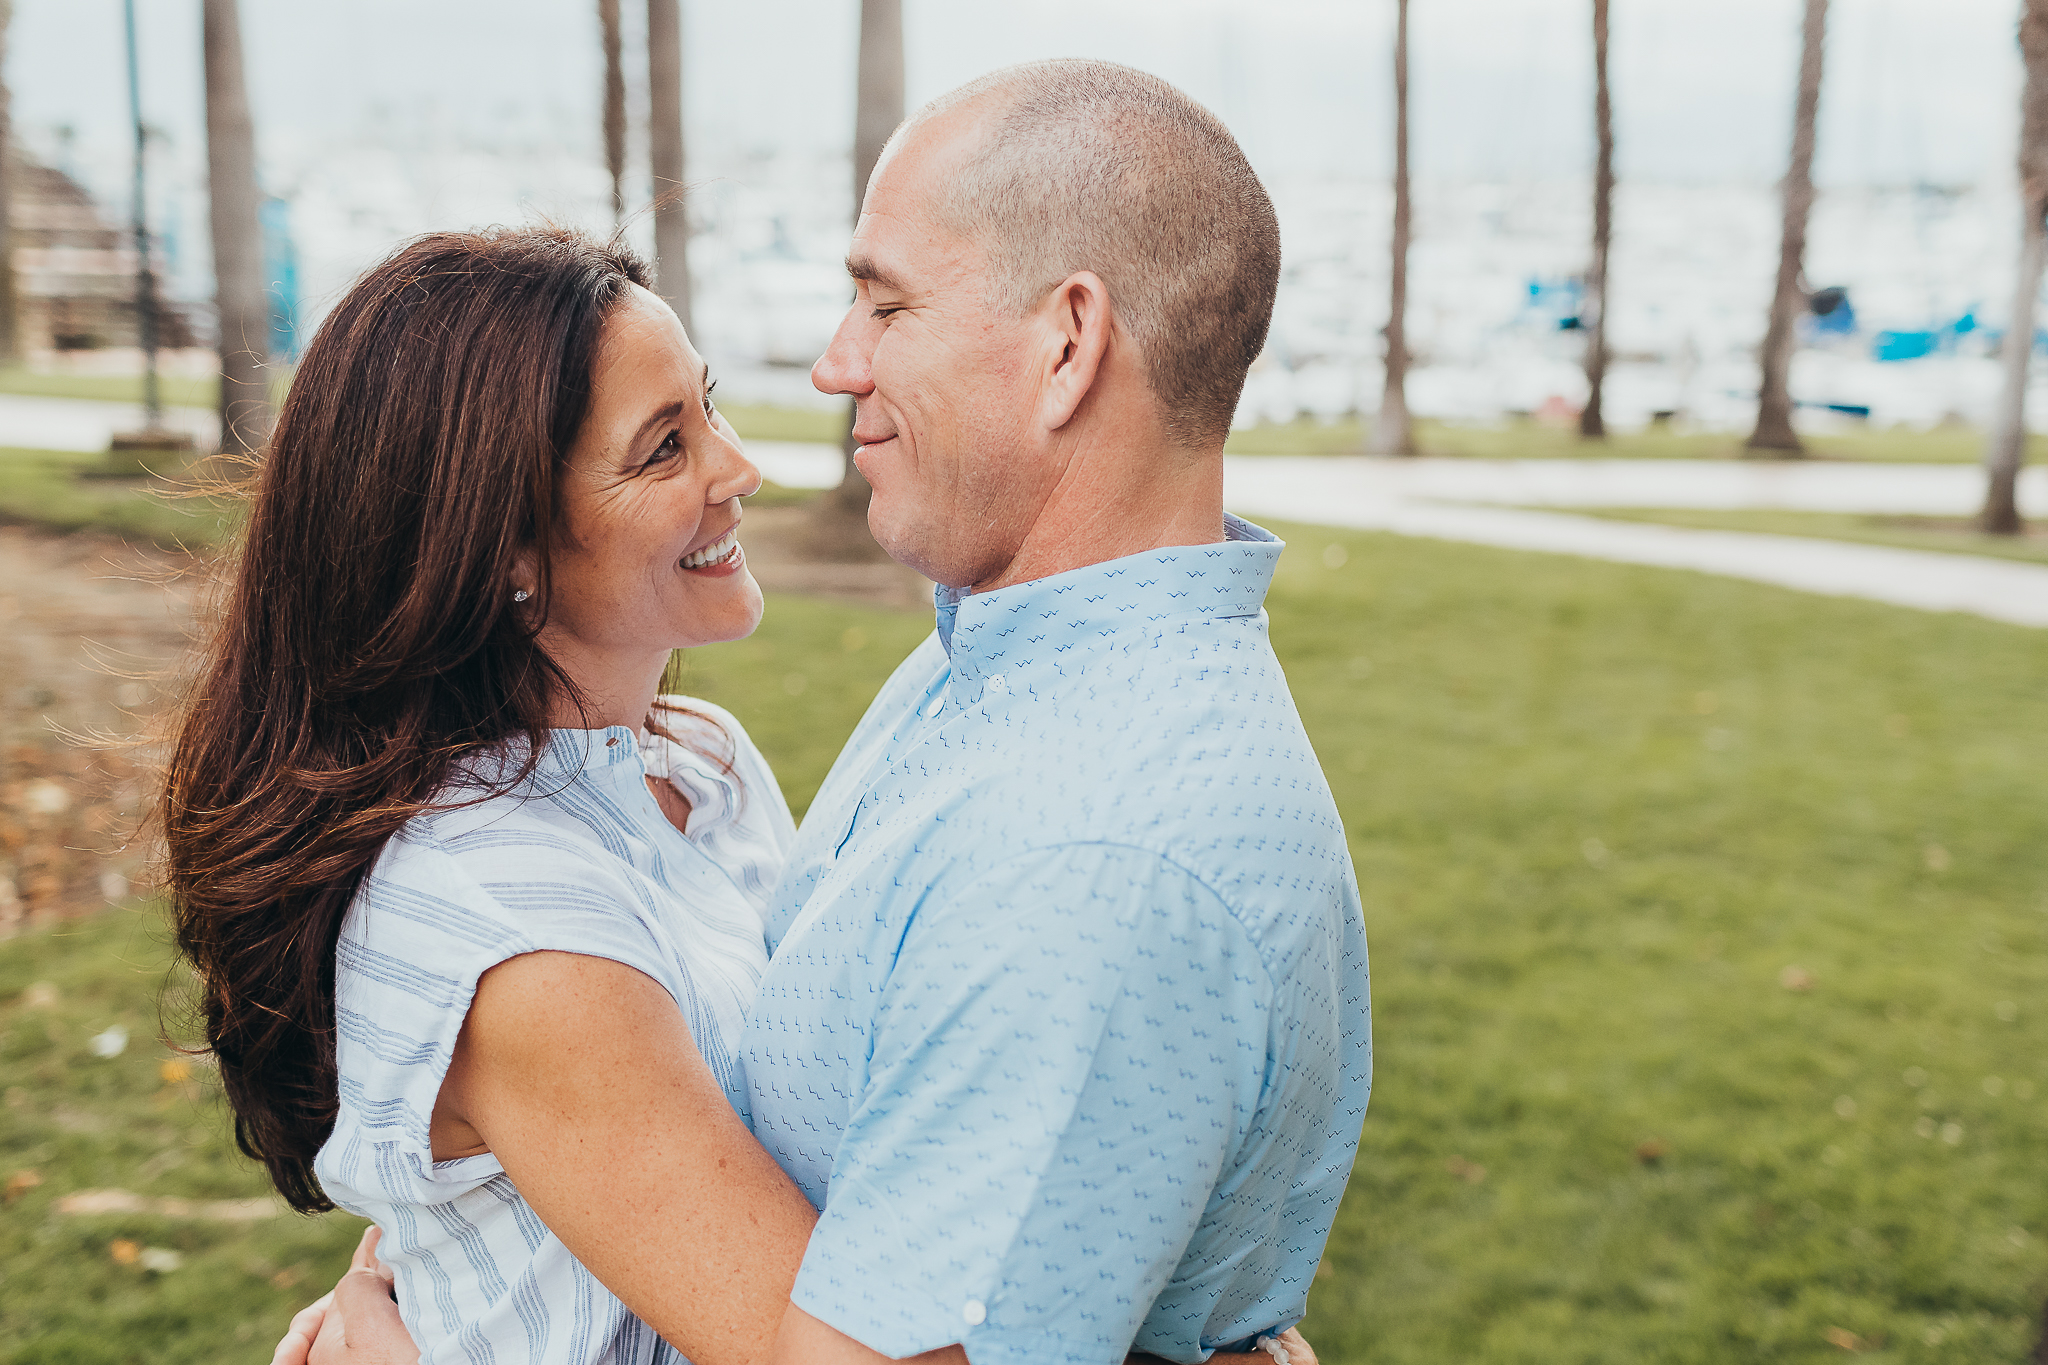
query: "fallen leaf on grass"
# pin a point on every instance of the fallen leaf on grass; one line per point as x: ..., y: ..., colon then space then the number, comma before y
x: 1796, y: 979
x: 112, y: 1043
x: 124, y: 1251
x: 175, y: 1070
x: 1471, y: 1172
x: 86, y: 1203
x: 1844, y: 1338
x: 162, y: 1260
x: 1650, y: 1151
x: 288, y: 1277
x: 21, y: 1182
x: 44, y: 797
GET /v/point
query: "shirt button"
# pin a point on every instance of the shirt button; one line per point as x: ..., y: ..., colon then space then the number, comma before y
x: 936, y: 705
x: 974, y: 1312
x: 998, y: 684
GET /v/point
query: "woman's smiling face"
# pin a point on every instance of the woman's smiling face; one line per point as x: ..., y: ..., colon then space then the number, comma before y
x: 649, y: 559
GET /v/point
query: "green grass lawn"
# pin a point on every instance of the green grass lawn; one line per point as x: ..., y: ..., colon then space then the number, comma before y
x: 1954, y: 535
x: 175, y: 390
x: 1710, y: 938
x: 49, y: 488
x: 1527, y: 440
x: 79, y: 1290
x: 759, y: 421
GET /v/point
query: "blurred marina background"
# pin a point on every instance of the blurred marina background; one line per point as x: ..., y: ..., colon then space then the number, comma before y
x: 381, y: 119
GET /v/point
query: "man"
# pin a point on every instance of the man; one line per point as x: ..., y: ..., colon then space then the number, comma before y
x: 1066, y: 1031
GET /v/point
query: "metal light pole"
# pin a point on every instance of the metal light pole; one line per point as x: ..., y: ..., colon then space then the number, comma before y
x: 145, y: 278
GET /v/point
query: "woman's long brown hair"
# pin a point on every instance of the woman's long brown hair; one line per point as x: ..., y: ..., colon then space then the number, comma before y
x: 369, y: 640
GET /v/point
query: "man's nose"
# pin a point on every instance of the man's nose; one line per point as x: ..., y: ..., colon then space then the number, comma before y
x: 844, y: 366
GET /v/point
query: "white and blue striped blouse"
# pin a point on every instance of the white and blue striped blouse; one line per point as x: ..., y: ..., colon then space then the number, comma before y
x: 579, y: 860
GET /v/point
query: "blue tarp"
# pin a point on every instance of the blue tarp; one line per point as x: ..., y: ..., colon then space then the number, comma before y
x: 1904, y: 345
x: 281, y: 276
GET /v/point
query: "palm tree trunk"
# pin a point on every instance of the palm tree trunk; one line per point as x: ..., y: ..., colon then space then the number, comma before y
x: 665, y: 151
x: 841, y: 521
x: 614, y: 107
x: 10, y: 317
x: 1592, y: 420
x: 1774, y: 431
x: 237, y: 238
x: 2006, y: 451
x: 1394, y: 433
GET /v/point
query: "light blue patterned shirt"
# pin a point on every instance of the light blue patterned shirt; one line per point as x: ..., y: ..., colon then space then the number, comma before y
x: 580, y: 860
x: 1067, y: 1027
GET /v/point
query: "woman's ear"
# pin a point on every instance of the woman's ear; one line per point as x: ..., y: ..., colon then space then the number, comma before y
x: 525, y: 578
x: 1080, y: 324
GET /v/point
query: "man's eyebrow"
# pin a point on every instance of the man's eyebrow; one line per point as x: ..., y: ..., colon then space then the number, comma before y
x: 864, y: 268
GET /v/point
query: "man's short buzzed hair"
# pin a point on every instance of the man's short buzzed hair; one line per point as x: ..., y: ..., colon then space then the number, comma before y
x: 1088, y: 165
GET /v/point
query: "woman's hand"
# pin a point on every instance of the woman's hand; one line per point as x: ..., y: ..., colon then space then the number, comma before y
x: 1298, y: 1353
x: 355, y: 1323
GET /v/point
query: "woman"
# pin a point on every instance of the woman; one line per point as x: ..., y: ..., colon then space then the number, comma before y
x: 475, y: 910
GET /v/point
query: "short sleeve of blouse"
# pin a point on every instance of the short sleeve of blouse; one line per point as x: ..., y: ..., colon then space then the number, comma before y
x: 439, y: 909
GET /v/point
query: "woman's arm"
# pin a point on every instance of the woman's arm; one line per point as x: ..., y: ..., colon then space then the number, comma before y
x: 579, y: 1074
x: 356, y: 1323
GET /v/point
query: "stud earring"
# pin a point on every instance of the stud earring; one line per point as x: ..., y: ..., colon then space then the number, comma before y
x: 520, y: 595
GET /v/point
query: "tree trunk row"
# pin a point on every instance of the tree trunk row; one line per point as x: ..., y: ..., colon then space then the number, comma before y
x: 840, y: 524
x: 239, y: 297
x: 614, y: 106
x: 2005, y: 452
x: 1774, y: 431
x: 1593, y: 315
x: 1394, y: 433
x: 665, y: 152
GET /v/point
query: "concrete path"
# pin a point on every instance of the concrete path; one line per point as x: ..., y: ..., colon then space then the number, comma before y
x: 86, y: 424
x: 1485, y: 502
x: 797, y: 464
x: 1816, y: 486
x: 1306, y: 490
x: 1460, y: 500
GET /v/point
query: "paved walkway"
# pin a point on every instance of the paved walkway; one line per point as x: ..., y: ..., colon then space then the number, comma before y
x: 1462, y: 500
x: 86, y: 424
x: 1806, y: 486
x: 1363, y: 494
x: 1488, y: 502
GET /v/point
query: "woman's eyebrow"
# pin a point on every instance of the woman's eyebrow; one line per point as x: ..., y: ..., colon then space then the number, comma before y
x: 659, y: 417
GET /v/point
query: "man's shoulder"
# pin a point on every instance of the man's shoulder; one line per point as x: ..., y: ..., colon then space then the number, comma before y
x: 1212, y: 771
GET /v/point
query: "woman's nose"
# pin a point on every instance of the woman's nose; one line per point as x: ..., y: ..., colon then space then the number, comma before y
x: 736, y: 476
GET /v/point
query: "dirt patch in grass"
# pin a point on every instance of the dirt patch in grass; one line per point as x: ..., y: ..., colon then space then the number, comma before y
x: 97, y: 632
x: 100, y: 632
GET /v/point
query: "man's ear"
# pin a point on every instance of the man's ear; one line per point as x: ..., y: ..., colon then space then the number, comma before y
x: 1079, y: 328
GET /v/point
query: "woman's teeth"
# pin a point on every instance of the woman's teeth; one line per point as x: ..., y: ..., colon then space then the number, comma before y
x: 715, y: 551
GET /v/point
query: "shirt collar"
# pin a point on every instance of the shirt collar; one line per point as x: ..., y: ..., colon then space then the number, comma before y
x: 1212, y: 582
x: 572, y: 751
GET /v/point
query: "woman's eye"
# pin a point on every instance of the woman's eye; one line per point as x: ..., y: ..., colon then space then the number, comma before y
x: 670, y: 447
x: 881, y: 313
